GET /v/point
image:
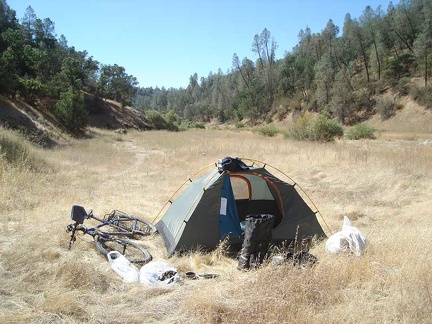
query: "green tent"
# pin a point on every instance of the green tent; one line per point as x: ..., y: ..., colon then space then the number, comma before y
x: 212, y: 208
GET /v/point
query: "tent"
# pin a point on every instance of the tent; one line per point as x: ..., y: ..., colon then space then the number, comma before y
x: 214, y: 206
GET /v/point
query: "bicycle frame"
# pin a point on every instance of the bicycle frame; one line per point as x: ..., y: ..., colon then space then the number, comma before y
x: 79, y: 214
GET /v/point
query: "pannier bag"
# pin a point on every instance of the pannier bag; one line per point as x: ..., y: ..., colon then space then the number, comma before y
x: 258, y: 235
x: 231, y: 164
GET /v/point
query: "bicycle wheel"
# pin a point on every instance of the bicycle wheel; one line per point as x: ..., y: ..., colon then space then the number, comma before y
x: 132, y: 251
x: 131, y: 224
x: 139, y: 226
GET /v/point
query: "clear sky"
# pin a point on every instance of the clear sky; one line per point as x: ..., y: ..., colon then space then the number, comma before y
x: 164, y: 42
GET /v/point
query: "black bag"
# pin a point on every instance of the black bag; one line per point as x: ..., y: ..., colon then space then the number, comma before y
x: 231, y: 164
x: 258, y: 235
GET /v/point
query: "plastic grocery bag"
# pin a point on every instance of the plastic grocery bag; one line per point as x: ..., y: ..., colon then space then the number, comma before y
x: 348, y: 239
x: 158, y: 272
x: 123, y: 267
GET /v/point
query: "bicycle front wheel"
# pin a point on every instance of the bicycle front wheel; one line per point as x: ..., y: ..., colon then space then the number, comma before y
x: 131, y: 250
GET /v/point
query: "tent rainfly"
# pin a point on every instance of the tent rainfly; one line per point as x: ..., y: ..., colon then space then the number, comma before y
x: 212, y: 208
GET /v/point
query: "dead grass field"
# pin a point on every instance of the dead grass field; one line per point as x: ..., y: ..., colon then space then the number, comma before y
x: 384, y: 186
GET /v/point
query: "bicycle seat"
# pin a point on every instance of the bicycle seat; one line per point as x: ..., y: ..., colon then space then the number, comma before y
x: 78, y: 214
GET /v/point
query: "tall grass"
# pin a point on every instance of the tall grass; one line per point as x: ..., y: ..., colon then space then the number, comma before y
x: 383, y: 186
x: 16, y: 152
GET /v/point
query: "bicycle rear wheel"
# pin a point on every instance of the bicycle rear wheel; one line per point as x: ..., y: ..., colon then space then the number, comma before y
x: 131, y: 224
x: 132, y: 251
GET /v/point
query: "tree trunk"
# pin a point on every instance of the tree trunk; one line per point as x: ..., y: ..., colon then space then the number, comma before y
x: 426, y: 67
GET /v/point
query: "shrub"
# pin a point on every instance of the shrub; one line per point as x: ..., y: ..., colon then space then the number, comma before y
x: 403, y: 86
x: 156, y: 119
x: 281, y: 112
x: 299, y: 129
x: 31, y: 89
x: 324, y: 129
x: 321, y: 129
x: 186, y: 124
x: 159, y: 121
x: 269, y: 130
x: 360, y: 131
x: 172, y: 118
x: 386, y: 108
x: 198, y: 125
x: 422, y: 95
x: 71, y: 111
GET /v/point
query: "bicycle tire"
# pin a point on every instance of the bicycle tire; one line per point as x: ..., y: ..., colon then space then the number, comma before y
x: 139, y: 226
x: 131, y: 224
x: 131, y: 250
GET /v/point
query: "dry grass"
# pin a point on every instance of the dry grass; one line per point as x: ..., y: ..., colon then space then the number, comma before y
x: 384, y: 186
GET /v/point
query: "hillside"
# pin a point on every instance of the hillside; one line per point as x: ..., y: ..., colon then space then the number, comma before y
x: 411, y: 118
x: 41, y: 126
x: 37, y: 123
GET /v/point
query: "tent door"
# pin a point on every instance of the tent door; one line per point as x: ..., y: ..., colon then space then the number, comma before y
x: 229, y: 223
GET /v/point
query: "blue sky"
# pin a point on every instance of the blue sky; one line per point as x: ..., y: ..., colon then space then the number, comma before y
x: 164, y: 42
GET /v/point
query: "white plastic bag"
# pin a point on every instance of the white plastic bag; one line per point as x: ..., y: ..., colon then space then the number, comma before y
x: 123, y: 267
x: 158, y: 272
x: 348, y: 239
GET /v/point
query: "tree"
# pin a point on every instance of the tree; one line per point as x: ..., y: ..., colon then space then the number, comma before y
x: 423, y: 43
x: 264, y: 45
x: 72, y: 73
x: 400, y: 21
x: 28, y: 22
x: 114, y: 83
x: 71, y: 111
x: 257, y: 49
x: 324, y: 77
x: 44, y: 33
x: 236, y: 65
x: 7, y: 20
x: 369, y: 20
x: 12, y: 60
x: 361, y: 41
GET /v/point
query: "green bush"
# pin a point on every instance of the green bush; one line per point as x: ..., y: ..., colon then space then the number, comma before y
x: 422, y: 95
x: 31, y: 89
x: 281, y: 112
x: 324, y: 129
x: 299, y: 129
x: 385, y: 108
x: 403, y: 86
x: 71, y: 110
x: 186, y: 124
x: 360, y: 131
x: 156, y: 119
x: 269, y: 130
x: 160, y: 121
x: 321, y: 129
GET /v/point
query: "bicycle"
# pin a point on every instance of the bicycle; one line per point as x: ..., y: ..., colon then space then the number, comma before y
x: 127, y: 223
x: 116, y: 222
x: 107, y: 241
